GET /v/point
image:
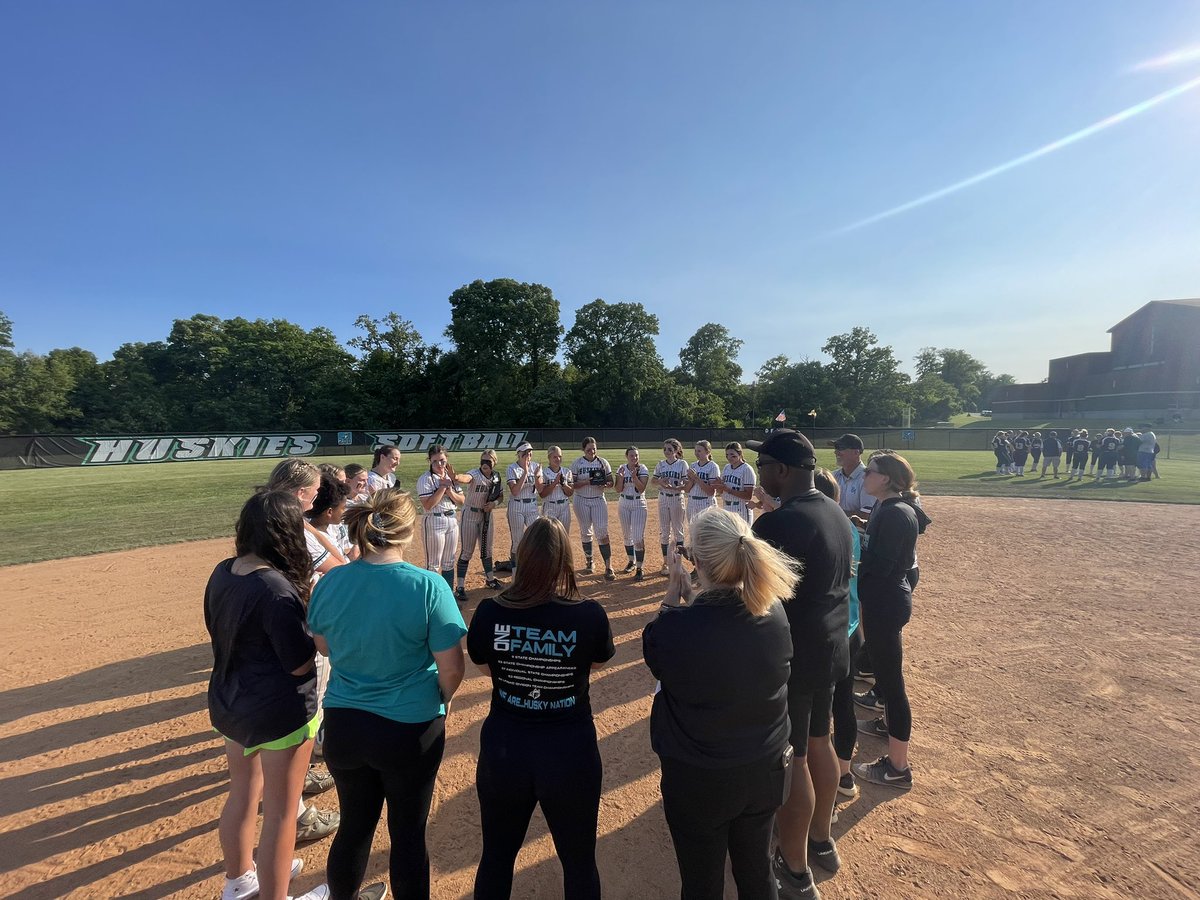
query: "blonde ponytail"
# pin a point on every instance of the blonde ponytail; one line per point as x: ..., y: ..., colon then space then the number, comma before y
x: 732, y: 556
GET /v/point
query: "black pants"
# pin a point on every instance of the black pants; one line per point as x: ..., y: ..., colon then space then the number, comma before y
x: 523, y: 764
x: 714, y: 812
x: 845, y: 724
x: 372, y: 759
x: 862, y: 661
x: 881, y: 630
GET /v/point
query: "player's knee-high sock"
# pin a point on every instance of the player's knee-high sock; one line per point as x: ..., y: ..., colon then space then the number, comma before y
x: 629, y: 551
x: 488, y: 566
x: 462, y: 571
x: 640, y: 556
x: 664, y: 550
x: 448, y: 574
x: 606, y: 554
x: 587, y: 550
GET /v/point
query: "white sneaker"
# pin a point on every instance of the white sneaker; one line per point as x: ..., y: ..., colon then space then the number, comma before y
x: 245, y: 886
x: 320, y: 892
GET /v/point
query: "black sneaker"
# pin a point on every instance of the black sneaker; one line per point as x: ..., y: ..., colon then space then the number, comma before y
x: 824, y: 854
x: 629, y: 567
x: 493, y: 584
x: 847, y: 787
x: 610, y: 575
x: 883, y: 772
x: 868, y: 699
x: 876, y: 727
x: 460, y: 595
x: 376, y: 891
x: 867, y: 677
x: 791, y: 885
x: 638, y: 576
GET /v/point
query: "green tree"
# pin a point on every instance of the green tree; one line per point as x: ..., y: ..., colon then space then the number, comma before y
x: 619, y: 372
x: 872, y: 389
x: 393, y: 375
x: 506, y: 335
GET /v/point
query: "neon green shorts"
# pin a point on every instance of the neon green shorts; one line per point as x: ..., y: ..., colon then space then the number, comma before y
x: 305, y: 732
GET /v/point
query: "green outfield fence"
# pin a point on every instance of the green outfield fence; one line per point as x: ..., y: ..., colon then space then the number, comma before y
x: 33, y: 451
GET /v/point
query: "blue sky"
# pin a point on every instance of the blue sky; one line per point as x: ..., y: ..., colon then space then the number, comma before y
x: 317, y: 161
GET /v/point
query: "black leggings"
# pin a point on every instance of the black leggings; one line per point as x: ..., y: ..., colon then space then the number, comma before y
x: 845, y: 726
x: 372, y: 759
x: 522, y: 764
x: 862, y: 662
x: 715, y: 812
x: 881, y: 630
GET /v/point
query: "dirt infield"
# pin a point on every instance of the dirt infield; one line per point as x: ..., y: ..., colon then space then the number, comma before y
x: 1053, y: 668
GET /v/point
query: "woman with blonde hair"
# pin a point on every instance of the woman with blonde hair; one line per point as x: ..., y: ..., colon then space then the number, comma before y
x: 720, y: 720
x: 885, y: 603
x: 539, y: 641
x: 392, y: 632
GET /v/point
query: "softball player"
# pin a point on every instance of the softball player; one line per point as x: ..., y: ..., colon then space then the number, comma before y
x: 592, y: 474
x: 383, y: 468
x: 440, y: 494
x: 632, y: 479
x: 1077, y: 451
x: 1020, y: 452
x: 1035, y: 448
x: 475, y: 525
x: 557, y: 487
x: 524, y: 482
x: 737, y: 482
x: 703, y: 476
x: 1110, y: 453
x: 670, y: 475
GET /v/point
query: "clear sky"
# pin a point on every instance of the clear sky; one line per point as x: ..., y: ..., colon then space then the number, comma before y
x: 716, y: 162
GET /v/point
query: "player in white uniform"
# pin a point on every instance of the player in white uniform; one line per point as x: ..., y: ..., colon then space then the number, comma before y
x: 557, y: 487
x: 670, y: 476
x: 476, y: 521
x: 703, y: 477
x: 737, y: 483
x: 440, y: 495
x: 631, y: 482
x: 592, y: 474
x: 383, y: 468
x: 524, y: 480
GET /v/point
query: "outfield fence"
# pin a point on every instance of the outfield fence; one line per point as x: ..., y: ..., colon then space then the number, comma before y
x: 36, y: 451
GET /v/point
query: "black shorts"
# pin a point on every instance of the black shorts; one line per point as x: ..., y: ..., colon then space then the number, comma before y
x: 809, y: 711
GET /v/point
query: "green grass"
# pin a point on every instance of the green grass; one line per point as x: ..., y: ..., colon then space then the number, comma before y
x: 1174, y: 446
x: 56, y: 513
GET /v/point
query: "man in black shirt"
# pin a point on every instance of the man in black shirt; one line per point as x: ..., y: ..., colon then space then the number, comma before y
x: 812, y: 529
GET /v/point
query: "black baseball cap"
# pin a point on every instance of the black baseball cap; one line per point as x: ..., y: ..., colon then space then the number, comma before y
x: 848, y: 442
x: 789, y: 447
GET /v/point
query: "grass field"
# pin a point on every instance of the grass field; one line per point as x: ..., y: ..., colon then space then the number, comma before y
x: 56, y: 513
x: 1175, y: 446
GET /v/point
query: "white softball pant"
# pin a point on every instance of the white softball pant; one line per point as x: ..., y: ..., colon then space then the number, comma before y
x: 697, y: 505
x: 739, y: 508
x: 558, y: 509
x: 521, y: 514
x: 471, y: 533
x: 670, y: 518
x: 592, y: 512
x: 441, y: 540
x: 632, y: 513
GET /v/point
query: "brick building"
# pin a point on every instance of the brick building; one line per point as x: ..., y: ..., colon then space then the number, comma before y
x: 1151, y: 373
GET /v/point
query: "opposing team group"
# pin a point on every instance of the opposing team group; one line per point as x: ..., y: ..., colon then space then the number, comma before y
x: 1133, y: 454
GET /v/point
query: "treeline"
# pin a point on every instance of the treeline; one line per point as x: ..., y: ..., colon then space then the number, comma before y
x: 509, y: 363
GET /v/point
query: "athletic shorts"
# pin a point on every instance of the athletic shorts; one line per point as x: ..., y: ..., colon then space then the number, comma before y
x: 305, y: 732
x: 1145, y: 459
x: 810, y: 712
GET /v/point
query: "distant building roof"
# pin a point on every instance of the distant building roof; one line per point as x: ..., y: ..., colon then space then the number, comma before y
x: 1193, y: 303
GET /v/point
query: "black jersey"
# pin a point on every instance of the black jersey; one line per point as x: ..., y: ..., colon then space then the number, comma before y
x: 1021, y: 443
x: 1081, y: 445
x: 1110, y: 443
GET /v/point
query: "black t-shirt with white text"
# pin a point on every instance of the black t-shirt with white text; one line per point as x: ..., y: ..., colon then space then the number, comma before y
x: 540, y: 656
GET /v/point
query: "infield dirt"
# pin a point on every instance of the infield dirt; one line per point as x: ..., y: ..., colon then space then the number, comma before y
x: 1053, y: 670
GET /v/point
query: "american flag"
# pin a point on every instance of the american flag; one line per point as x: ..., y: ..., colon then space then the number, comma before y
x: 781, y: 417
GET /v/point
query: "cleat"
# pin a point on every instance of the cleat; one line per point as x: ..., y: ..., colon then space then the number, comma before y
x: 315, y: 824
x: 460, y: 595
x: 629, y: 567
x: 316, y: 783
x: 494, y: 584
x: 638, y: 576
x: 609, y: 574
x: 664, y: 570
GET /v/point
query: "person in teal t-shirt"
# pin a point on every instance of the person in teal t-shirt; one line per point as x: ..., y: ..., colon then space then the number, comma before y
x: 393, y: 635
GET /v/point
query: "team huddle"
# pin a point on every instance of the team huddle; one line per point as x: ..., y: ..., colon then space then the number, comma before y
x: 1113, y: 455
x: 328, y: 645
